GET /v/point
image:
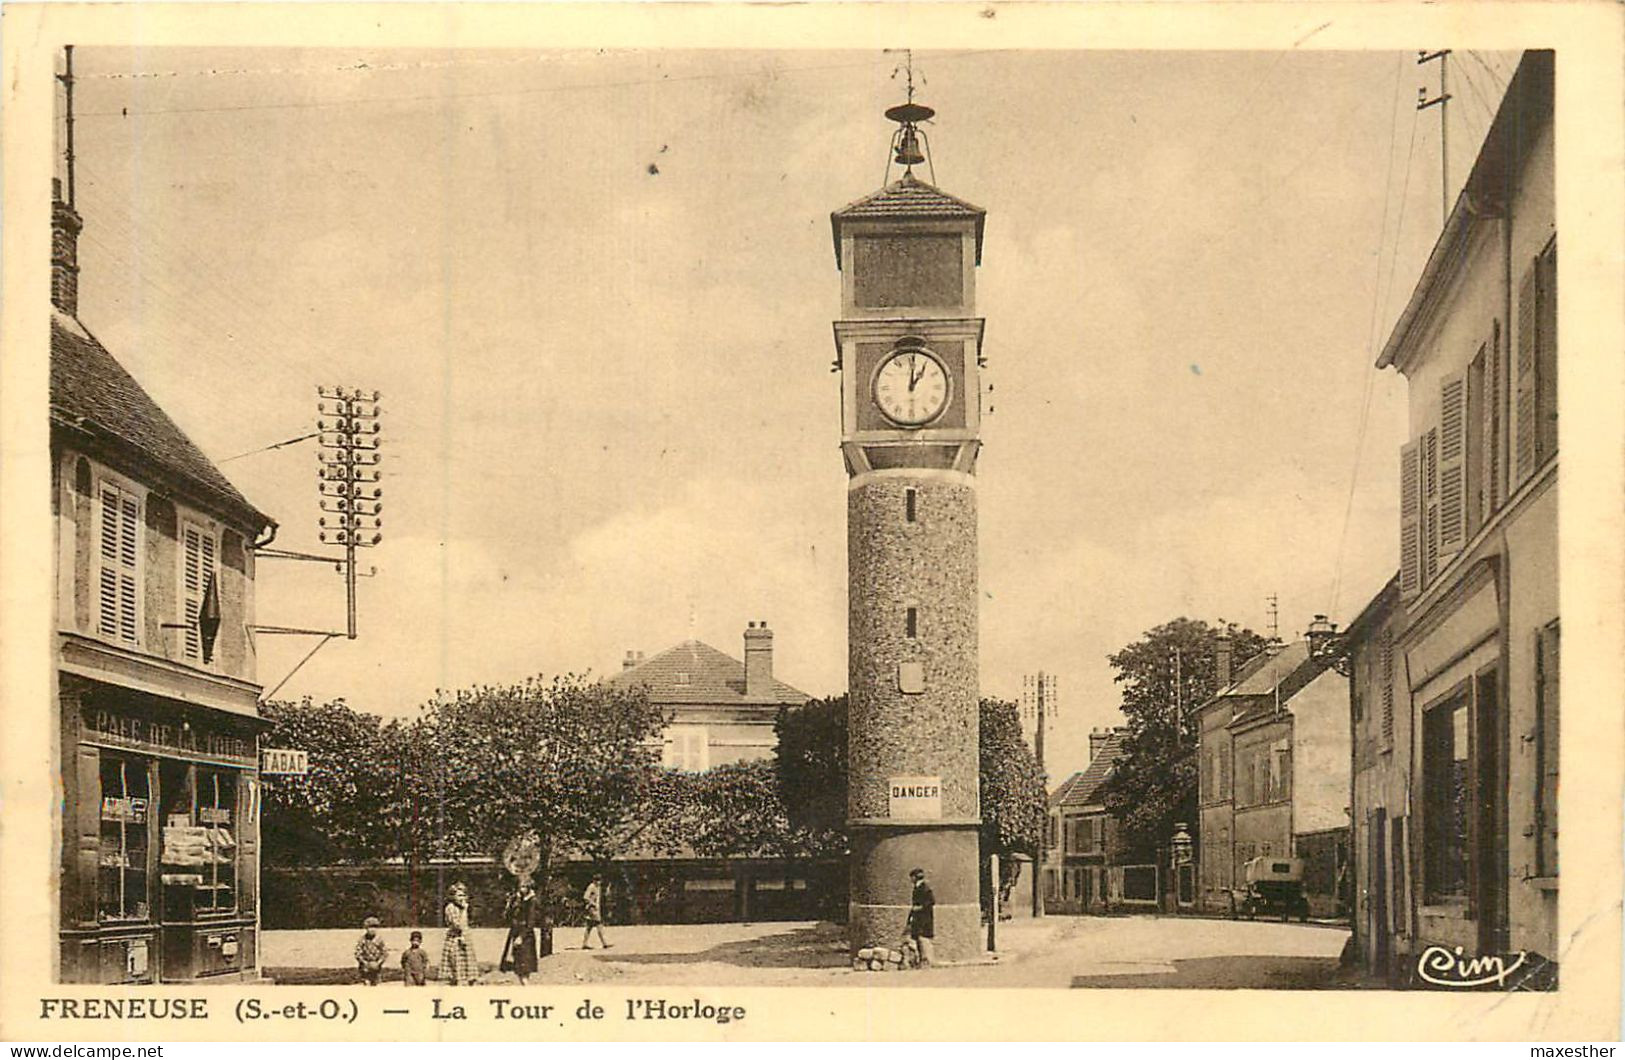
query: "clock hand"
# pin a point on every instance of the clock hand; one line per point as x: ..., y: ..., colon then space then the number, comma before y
x: 913, y: 376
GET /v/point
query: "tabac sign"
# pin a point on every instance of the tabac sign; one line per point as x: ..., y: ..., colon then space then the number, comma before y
x: 278, y: 761
x: 917, y: 797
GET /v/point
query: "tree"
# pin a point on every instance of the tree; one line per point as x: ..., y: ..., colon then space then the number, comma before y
x: 573, y: 762
x: 335, y: 811
x: 810, y: 763
x: 1166, y: 676
x: 1013, y: 800
x: 812, y: 773
x: 734, y: 810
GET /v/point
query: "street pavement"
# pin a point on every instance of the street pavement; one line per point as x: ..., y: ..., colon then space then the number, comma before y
x: 1057, y: 951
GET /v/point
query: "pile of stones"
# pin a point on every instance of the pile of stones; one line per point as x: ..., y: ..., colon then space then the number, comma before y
x: 881, y: 959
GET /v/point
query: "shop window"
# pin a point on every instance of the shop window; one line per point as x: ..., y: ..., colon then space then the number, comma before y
x: 121, y: 883
x: 200, y: 841
x: 1446, y: 787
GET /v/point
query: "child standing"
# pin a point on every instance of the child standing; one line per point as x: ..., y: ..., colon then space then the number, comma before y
x: 415, y: 962
x: 370, y: 952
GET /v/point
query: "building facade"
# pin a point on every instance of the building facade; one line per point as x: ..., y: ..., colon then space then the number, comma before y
x: 155, y: 675
x: 1474, y: 641
x: 1380, y: 796
x: 1273, y: 755
x: 1080, y: 836
x: 722, y: 709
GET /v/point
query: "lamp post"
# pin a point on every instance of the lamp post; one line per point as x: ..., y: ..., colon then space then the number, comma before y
x: 1181, y: 844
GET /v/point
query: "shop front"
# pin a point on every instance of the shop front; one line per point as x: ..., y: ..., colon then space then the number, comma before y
x: 160, y: 875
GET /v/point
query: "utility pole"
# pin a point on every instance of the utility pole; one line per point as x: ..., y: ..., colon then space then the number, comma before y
x: 1179, y: 694
x: 1442, y: 101
x: 350, y: 493
x: 66, y: 77
x: 351, y: 499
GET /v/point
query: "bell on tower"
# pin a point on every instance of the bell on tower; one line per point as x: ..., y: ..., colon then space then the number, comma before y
x: 906, y: 140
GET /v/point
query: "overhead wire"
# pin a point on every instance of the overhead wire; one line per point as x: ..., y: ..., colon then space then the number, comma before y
x: 1369, y: 374
x: 207, y: 278
x: 125, y: 112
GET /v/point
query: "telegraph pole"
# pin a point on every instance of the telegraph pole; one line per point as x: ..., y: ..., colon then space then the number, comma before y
x: 347, y: 433
x: 66, y: 77
x: 1442, y: 101
x: 348, y: 478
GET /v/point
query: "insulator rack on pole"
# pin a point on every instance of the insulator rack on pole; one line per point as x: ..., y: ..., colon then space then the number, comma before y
x: 350, y: 495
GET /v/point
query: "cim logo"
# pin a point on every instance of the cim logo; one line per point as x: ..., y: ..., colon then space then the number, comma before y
x: 1443, y: 966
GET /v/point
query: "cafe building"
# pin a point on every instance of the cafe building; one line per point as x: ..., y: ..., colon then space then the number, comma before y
x: 154, y: 676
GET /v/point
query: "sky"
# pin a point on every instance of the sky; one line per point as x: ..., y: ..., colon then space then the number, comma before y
x: 595, y: 291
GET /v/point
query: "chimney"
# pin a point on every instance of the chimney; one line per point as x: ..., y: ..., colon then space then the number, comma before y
x: 66, y: 225
x: 1097, y: 740
x: 758, y: 659
x: 1221, y: 659
x: 1320, y: 635
x: 631, y: 660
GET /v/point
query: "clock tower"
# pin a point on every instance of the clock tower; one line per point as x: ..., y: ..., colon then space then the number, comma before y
x: 908, y: 349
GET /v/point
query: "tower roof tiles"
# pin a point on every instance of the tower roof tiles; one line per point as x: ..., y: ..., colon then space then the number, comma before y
x: 909, y: 198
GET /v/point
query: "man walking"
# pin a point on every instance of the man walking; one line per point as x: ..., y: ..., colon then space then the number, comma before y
x: 922, y: 927
x: 593, y: 913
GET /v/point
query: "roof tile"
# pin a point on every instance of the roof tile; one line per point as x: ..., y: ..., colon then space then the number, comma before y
x: 1083, y: 788
x: 693, y: 672
x: 908, y: 197
x: 91, y: 390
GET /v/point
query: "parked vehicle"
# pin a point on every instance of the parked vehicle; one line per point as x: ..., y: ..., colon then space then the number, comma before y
x: 1274, y: 886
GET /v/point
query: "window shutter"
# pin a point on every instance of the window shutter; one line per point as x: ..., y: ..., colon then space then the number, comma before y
x: 1546, y: 355
x: 1546, y: 676
x: 1430, y: 505
x: 191, y: 589
x: 1490, y: 431
x: 119, y: 557
x: 108, y: 564
x: 1452, y: 464
x: 1387, y: 688
x: 1524, y: 460
x: 1410, y: 518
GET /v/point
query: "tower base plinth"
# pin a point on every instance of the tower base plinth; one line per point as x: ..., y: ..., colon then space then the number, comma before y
x: 881, y: 892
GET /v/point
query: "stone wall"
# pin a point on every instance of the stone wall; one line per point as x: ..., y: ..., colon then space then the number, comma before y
x: 929, y: 564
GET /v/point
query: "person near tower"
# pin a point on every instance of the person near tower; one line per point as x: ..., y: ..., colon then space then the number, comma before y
x: 922, y: 926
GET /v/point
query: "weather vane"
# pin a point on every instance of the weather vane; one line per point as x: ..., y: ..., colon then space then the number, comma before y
x: 909, y: 144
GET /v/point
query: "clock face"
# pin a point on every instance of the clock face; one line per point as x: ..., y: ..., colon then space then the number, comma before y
x: 911, y: 388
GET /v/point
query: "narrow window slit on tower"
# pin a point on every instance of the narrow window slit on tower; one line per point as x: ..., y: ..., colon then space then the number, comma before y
x: 909, y: 496
x: 911, y: 623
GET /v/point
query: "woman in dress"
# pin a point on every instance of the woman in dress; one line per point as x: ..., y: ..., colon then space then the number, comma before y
x: 458, y: 964
x: 519, y: 952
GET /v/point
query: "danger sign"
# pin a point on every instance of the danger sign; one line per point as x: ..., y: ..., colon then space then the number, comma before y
x: 916, y: 797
